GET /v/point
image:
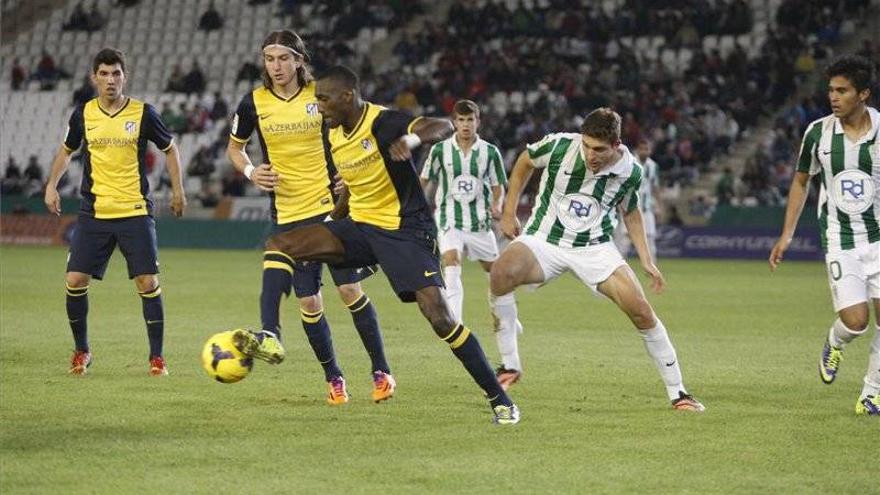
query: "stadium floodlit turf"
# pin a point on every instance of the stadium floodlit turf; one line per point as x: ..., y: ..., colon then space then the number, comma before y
x: 595, y: 415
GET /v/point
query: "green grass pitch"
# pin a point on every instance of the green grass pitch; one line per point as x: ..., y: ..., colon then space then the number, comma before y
x: 595, y: 415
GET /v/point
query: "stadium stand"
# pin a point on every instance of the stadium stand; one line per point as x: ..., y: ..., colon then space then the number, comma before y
x: 693, y: 75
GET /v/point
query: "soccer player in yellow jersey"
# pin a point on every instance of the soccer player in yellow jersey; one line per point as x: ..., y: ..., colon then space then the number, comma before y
x: 388, y: 220
x: 296, y: 173
x: 113, y: 130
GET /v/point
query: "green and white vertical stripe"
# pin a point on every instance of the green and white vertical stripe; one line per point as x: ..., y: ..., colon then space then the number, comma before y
x: 565, y: 175
x: 446, y: 162
x: 825, y: 150
x: 649, y: 182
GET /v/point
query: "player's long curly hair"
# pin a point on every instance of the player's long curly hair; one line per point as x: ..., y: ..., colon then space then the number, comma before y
x: 291, y: 40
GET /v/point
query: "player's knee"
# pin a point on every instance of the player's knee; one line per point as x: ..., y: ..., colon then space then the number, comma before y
x: 501, y: 280
x: 146, y: 283
x: 76, y: 280
x: 855, y: 321
x: 642, y: 315
x: 349, y: 293
x: 311, y: 304
x: 438, y: 315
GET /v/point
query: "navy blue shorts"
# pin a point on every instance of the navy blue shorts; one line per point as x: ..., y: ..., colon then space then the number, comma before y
x: 307, y: 275
x: 94, y: 241
x: 408, y: 256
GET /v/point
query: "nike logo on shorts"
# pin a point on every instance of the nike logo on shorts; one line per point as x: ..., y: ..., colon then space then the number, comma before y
x: 428, y: 274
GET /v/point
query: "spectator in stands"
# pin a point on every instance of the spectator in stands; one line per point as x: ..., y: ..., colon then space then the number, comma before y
x: 220, y: 109
x: 198, y: 119
x: 18, y: 76
x: 127, y: 3
x: 33, y: 177
x: 674, y: 219
x: 211, y: 19
x: 176, y: 81
x: 78, y: 20
x: 234, y: 183
x: 248, y: 72
x: 47, y: 72
x: 175, y: 122
x: 724, y: 187
x: 12, y: 178
x: 194, y: 80
x: 202, y: 165
x: 96, y: 19
x: 85, y: 92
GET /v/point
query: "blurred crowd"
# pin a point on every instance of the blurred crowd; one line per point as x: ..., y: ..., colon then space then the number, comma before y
x: 535, y: 69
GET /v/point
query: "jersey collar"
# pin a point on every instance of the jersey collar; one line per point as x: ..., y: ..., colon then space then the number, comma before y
x: 871, y: 135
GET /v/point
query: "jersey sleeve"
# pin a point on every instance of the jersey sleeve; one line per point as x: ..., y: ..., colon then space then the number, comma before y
x: 245, y: 120
x: 73, y: 138
x: 539, y: 152
x: 497, y: 175
x: 392, y: 124
x: 808, y: 160
x: 431, y: 169
x: 630, y: 190
x: 155, y: 130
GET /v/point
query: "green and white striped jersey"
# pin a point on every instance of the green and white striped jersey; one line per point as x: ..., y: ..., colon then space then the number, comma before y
x: 575, y: 207
x: 649, y: 182
x: 464, y: 183
x: 849, y: 201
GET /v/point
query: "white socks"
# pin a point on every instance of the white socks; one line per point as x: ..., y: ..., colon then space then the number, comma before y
x: 507, y: 326
x: 839, y: 335
x: 454, y: 289
x: 872, y: 377
x: 661, y: 351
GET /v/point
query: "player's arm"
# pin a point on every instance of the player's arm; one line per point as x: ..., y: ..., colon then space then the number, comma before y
x: 797, y: 197
x: 172, y: 163
x: 340, y: 209
x: 262, y: 176
x: 423, y: 130
x: 59, y: 166
x: 497, y: 202
x: 519, y: 177
x: 635, y: 227
x: 243, y: 124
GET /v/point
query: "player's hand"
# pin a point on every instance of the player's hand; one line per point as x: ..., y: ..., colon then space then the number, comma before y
x: 264, y: 177
x: 777, y: 252
x: 658, y: 283
x: 400, y: 151
x: 510, y: 226
x: 178, y: 203
x: 339, y: 185
x: 52, y: 200
x: 496, y: 213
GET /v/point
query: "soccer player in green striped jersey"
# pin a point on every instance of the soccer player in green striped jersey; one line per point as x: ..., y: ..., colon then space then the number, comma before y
x: 647, y: 195
x: 469, y: 176
x: 587, y: 181
x: 843, y: 149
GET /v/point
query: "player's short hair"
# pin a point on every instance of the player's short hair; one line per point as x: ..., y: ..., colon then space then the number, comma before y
x: 108, y: 56
x: 602, y: 123
x: 855, y: 68
x: 290, y: 39
x: 466, y: 107
x: 343, y: 75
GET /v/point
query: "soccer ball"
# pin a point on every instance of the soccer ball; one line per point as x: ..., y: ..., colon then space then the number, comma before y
x: 223, y: 360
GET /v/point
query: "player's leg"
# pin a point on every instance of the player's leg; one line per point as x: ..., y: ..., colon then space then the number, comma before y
x: 624, y: 289
x: 90, y: 250
x: 154, y: 317
x: 138, y: 243
x: 411, y: 261
x: 314, y: 242
x: 869, y: 399
x: 366, y: 321
x: 516, y: 266
x: 452, y: 277
x: 451, y: 247
x: 849, y: 293
x: 467, y: 349
x: 307, y: 280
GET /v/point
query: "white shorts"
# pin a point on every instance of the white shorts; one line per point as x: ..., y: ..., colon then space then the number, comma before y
x: 854, y: 275
x: 478, y: 245
x: 591, y: 264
